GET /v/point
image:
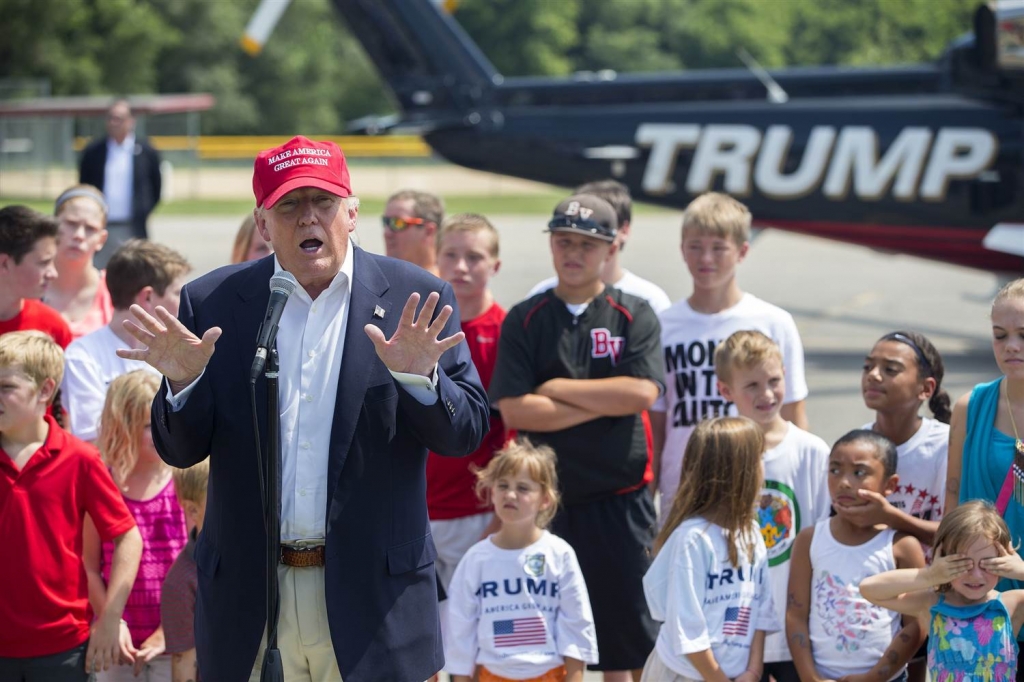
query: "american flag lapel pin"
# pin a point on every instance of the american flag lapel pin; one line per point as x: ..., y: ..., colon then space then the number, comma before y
x: 378, y: 312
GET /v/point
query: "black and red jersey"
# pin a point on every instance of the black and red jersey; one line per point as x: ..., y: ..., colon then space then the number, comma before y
x: 615, y: 335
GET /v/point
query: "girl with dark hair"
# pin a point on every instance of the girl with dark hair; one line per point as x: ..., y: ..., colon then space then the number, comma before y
x: 834, y: 632
x: 902, y: 372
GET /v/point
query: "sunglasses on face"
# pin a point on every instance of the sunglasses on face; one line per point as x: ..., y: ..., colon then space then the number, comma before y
x: 562, y: 222
x: 399, y: 224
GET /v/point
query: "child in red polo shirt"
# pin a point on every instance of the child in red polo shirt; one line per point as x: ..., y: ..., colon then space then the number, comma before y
x: 468, y: 259
x: 49, y: 481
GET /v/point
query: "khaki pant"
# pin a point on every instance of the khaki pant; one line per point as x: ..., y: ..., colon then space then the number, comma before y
x: 303, y: 634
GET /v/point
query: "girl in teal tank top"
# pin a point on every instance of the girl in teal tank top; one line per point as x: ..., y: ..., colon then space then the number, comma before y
x: 981, y: 447
x: 972, y: 627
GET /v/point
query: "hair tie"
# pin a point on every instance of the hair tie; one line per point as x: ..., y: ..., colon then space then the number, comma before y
x: 903, y: 338
x: 76, y: 192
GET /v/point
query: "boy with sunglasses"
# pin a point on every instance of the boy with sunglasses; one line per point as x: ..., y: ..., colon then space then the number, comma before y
x: 411, y: 220
x: 577, y: 366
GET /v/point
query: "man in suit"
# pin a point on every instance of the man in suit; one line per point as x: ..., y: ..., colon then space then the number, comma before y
x: 127, y: 170
x: 367, y: 386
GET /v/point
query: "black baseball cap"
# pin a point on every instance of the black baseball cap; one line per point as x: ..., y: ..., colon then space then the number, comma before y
x: 585, y: 214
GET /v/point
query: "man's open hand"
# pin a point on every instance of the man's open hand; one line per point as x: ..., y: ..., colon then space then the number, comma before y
x: 414, y: 347
x: 168, y: 346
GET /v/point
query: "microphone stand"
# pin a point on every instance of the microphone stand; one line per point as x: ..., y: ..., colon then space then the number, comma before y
x: 272, y: 670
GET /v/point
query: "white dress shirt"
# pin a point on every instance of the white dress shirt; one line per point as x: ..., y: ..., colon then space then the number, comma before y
x: 117, y: 179
x: 310, y: 345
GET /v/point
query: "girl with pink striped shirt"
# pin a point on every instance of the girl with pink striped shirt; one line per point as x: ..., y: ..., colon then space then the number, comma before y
x: 126, y: 443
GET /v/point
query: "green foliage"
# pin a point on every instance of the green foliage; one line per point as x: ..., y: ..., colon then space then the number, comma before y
x: 523, y: 37
x: 83, y: 48
x: 313, y: 75
x: 875, y: 32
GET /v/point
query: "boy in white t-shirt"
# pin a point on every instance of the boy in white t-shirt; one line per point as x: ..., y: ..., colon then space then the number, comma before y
x: 142, y: 273
x: 716, y: 238
x: 795, y: 494
x: 613, y: 274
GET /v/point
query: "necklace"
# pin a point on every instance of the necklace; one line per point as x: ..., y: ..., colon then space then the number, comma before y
x: 1018, y: 451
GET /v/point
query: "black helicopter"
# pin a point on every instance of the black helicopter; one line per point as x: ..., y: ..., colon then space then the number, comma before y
x: 926, y: 159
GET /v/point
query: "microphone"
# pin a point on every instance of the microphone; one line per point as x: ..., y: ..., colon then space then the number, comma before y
x: 281, y: 287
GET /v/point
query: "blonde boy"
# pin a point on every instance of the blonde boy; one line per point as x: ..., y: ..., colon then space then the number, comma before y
x: 468, y: 259
x: 715, y: 240
x: 178, y: 596
x: 751, y: 376
x: 49, y: 481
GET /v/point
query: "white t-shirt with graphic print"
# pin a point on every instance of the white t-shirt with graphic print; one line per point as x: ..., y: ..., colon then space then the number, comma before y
x: 518, y: 612
x: 704, y: 602
x: 688, y: 341
x: 921, y: 464
x: 795, y: 496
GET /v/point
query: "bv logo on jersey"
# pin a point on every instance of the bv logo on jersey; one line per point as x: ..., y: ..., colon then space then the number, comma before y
x: 607, y: 346
x: 778, y: 514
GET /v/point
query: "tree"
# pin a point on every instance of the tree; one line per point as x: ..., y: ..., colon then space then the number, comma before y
x: 313, y: 75
x: 523, y: 37
x: 101, y: 46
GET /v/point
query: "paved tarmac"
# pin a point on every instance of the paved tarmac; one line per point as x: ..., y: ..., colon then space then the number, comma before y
x: 843, y: 297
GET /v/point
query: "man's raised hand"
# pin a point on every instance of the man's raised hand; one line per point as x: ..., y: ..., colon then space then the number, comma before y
x: 168, y: 346
x: 415, y: 348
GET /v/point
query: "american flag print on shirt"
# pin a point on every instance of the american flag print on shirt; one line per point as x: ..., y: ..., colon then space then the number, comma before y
x: 520, y: 631
x: 737, y: 620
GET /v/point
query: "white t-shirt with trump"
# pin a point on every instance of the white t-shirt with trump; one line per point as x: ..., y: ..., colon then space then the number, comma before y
x: 704, y: 602
x: 518, y: 612
x: 921, y: 464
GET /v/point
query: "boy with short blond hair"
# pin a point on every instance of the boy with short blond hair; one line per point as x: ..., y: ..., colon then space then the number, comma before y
x: 468, y: 259
x: 142, y: 273
x: 715, y: 240
x: 751, y: 375
x: 178, y: 595
x: 49, y: 481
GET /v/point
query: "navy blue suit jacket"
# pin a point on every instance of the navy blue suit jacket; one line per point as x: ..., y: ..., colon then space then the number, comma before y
x: 380, y: 587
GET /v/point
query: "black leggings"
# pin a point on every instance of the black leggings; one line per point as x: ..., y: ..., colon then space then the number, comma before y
x: 782, y: 671
x: 67, y: 666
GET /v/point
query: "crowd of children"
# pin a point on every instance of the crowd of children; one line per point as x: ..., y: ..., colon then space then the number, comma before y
x: 774, y: 556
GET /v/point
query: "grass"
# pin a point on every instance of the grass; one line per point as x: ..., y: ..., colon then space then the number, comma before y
x: 526, y: 204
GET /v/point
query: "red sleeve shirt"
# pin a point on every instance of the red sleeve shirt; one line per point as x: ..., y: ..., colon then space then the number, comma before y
x: 45, y: 607
x: 450, y: 481
x: 41, y: 317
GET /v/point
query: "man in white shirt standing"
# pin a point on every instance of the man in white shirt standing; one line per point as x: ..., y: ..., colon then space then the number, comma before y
x: 367, y: 384
x: 127, y: 170
x: 613, y: 274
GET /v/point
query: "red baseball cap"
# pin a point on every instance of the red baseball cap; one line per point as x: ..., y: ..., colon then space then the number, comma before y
x: 299, y: 162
